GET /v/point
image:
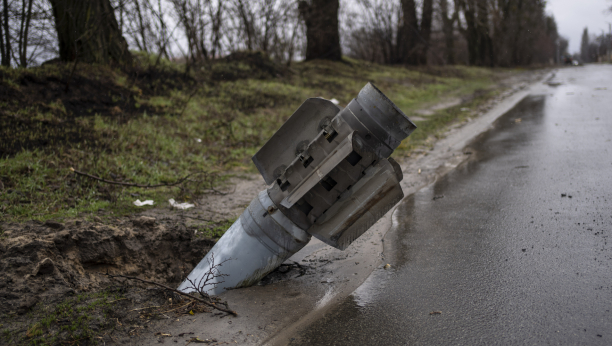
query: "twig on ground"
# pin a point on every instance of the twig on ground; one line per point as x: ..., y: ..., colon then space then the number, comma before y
x: 188, y: 99
x: 131, y: 184
x: 147, y: 307
x: 212, y: 305
x: 221, y: 192
x: 197, y: 218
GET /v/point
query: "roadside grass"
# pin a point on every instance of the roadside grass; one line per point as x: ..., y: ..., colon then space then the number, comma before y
x: 75, y: 320
x: 155, y: 125
x: 214, y: 230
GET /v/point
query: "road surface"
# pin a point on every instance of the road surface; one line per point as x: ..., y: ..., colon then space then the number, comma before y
x: 512, y: 246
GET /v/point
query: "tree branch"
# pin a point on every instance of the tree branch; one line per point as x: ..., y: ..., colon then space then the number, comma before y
x: 130, y: 184
x: 212, y: 305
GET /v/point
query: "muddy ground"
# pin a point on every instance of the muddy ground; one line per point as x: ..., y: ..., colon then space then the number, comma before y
x: 54, y: 289
x: 49, y: 264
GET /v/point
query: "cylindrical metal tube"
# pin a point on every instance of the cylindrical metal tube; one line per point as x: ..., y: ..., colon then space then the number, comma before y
x: 257, y: 243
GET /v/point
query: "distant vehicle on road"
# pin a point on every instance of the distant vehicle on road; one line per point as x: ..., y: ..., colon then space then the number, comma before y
x: 568, y: 60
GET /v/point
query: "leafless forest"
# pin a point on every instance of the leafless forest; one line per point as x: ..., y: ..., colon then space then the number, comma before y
x: 410, y: 32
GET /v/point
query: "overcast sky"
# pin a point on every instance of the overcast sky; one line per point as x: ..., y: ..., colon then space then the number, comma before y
x: 573, y: 16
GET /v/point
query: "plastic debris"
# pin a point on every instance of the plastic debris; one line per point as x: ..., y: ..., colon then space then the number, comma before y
x: 199, y: 140
x: 138, y: 203
x: 387, y: 266
x: 334, y: 101
x: 180, y: 205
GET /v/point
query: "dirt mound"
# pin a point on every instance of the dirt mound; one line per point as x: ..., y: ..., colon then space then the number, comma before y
x: 46, y: 261
x: 42, y: 106
x: 243, y: 65
x: 154, y: 81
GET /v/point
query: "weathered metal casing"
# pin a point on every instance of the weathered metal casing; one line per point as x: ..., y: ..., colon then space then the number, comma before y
x: 329, y: 168
x: 331, y: 177
x: 302, y: 126
x: 359, y: 208
x: 257, y: 243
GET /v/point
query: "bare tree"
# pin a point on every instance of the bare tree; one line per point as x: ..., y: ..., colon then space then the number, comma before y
x: 521, y: 33
x: 415, y: 33
x: 373, y: 31
x: 448, y: 20
x: 146, y: 25
x: 201, y: 21
x: 322, y: 33
x: 6, y: 46
x: 88, y: 30
x: 26, y: 32
x: 26, y: 16
x: 269, y: 26
x: 477, y: 31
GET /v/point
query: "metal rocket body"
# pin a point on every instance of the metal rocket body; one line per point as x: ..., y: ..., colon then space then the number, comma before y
x: 331, y: 177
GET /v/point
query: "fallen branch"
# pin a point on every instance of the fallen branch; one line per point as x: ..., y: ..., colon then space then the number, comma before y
x: 130, y: 184
x: 188, y: 99
x: 197, y: 218
x: 212, y: 305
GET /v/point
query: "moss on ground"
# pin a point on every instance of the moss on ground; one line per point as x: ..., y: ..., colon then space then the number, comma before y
x: 155, y: 124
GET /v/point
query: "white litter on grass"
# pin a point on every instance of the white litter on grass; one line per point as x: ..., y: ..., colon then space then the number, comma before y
x: 199, y: 140
x: 138, y: 203
x: 180, y: 205
x: 334, y: 101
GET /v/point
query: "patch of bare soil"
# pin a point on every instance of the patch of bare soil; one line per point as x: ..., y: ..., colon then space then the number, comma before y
x: 45, y: 264
x: 40, y: 260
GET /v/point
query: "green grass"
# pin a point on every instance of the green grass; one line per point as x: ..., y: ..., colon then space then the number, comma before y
x: 190, y: 123
x: 214, y: 230
x: 76, y: 320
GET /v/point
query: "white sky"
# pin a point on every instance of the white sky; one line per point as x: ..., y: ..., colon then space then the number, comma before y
x: 573, y: 16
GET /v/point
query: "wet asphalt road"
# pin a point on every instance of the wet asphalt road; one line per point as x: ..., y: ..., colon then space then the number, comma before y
x: 513, y: 247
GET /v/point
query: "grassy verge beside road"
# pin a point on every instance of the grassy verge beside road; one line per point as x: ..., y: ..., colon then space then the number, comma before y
x: 158, y: 124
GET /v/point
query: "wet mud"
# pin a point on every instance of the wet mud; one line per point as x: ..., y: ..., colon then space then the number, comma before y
x: 45, y: 261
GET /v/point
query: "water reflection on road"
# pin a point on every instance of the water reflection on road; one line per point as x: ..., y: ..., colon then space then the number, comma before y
x: 509, y: 248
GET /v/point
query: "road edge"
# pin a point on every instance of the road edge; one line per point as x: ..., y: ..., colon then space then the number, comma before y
x: 420, y: 171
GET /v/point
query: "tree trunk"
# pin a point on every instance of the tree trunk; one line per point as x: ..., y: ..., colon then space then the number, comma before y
x: 448, y: 24
x: 484, y: 37
x: 141, y: 28
x: 89, y: 30
x: 2, y: 53
x: 415, y: 36
x: 471, y: 34
x: 425, y: 31
x: 322, y: 36
x: 6, y: 57
x: 410, y: 32
x: 23, y: 35
x: 480, y: 45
